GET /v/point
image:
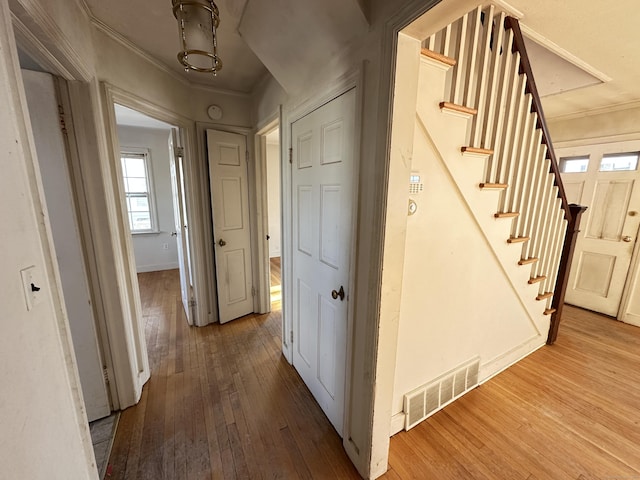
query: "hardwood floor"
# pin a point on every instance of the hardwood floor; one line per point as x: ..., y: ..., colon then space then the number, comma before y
x: 222, y: 402
x: 569, y: 411
x: 275, y: 271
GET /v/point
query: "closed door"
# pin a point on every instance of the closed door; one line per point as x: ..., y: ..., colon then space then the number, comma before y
x: 232, y: 235
x: 322, y: 191
x: 604, y: 178
x: 176, y: 157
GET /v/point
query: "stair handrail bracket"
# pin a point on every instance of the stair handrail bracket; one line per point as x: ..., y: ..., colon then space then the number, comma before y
x: 536, y: 106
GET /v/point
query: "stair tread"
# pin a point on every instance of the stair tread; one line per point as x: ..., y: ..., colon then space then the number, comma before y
x: 527, y: 261
x: 458, y: 108
x: 479, y: 151
x: 517, y: 239
x: 537, y: 279
x: 497, y: 186
x: 549, y: 311
x: 544, y: 296
x: 506, y: 214
x: 438, y: 56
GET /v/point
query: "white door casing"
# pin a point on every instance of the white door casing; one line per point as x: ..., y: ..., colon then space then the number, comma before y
x: 231, y: 223
x: 322, y: 213
x: 56, y: 181
x: 608, y: 229
x: 176, y: 158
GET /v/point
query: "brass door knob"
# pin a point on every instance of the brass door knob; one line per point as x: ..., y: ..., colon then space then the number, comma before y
x: 338, y: 293
x: 626, y: 238
x: 222, y: 243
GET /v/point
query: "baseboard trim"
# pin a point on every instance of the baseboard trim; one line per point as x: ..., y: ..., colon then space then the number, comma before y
x: 397, y: 423
x: 156, y: 268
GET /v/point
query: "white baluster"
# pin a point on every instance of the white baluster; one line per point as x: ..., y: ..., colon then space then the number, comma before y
x: 459, y: 72
x: 469, y: 97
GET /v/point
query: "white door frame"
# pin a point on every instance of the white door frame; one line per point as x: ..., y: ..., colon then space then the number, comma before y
x: 186, y: 128
x: 262, y: 277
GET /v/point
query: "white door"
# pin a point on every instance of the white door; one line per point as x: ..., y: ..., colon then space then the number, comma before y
x: 608, y: 186
x: 176, y: 157
x: 231, y: 230
x: 60, y: 201
x: 322, y: 190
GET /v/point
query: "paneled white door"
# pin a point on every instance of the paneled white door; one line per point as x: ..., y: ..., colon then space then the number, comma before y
x: 231, y: 229
x: 176, y: 157
x: 608, y: 228
x: 322, y: 190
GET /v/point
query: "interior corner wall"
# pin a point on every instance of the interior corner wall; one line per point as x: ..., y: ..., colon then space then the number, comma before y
x: 149, y: 248
x: 273, y: 194
x: 456, y: 301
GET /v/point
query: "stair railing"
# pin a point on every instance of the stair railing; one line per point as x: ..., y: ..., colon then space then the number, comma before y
x: 492, y: 76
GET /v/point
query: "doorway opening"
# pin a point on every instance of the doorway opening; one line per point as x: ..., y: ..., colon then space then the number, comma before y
x: 274, y: 216
x: 154, y: 203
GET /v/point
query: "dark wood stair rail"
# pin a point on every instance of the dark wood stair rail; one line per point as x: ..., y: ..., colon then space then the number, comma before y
x: 563, y: 270
x: 572, y: 213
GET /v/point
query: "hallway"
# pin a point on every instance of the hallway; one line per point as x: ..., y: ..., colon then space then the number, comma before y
x: 222, y: 402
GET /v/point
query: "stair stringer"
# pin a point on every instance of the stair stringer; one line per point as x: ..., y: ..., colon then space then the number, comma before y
x: 448, y: 133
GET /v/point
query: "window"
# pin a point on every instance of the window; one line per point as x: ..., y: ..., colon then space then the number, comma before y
x: 619, y: 162
x: 137, y: 188
x: 574, y: 164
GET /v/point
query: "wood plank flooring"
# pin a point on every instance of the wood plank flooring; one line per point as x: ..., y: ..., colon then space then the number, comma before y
x: 569, y: 411
x: 222, y: 402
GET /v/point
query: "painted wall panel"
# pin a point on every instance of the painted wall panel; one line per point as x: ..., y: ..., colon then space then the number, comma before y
x: 273, y: 193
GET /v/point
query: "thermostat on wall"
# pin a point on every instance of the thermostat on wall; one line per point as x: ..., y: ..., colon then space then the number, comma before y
x: 214, y: 112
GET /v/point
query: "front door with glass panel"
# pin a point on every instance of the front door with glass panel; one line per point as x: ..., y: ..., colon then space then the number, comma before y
x: 605, y: 179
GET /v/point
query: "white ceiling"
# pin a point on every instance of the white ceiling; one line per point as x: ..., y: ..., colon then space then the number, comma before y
x: 603, y: 36
x: 151, y: 26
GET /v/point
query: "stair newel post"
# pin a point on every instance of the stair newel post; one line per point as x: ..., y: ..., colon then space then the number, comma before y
x: 563, y: 272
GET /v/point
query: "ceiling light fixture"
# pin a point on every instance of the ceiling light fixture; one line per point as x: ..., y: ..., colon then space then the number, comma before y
x: 198, y: 21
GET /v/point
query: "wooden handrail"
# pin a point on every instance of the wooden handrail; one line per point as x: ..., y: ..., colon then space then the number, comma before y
x: 562, y: 279
x: 536, y: 106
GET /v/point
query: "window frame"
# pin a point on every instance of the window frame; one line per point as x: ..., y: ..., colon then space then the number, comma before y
x: 563, y: 160
x: 145, y: 154
x: 620, y: 154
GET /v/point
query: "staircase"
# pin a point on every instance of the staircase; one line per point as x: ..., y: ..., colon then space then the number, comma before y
x: 479, y: 109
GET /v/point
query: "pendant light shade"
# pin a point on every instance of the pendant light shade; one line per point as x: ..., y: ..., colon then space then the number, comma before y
x: 198, y: 21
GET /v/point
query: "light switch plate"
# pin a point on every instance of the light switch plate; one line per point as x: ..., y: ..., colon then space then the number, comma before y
x: 30, y: 276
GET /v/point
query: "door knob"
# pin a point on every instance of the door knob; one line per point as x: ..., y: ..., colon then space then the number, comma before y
x: 626, y: 238
x: 222, y: 243
x: 174, y: 234
x: 339, y: 293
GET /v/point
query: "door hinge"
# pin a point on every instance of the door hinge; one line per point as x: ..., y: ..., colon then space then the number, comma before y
x: 290, y: 154
x: 178, y: 151
x: 63, y: 125
x: 291, y: 336
x: 193, y: 303
x: 105, y: 373
x: 253, y: 291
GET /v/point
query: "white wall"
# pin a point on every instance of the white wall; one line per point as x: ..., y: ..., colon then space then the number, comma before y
x: 457, y: 302
x: 149, y: 248
x: 43, y: 429
x: 273, y: 193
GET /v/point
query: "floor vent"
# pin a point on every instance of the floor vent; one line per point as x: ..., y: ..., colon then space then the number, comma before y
x: 426, y: 400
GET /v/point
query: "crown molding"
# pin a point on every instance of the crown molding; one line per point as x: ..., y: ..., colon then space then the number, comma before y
x: 128, y: 44
x: 618, y: 107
